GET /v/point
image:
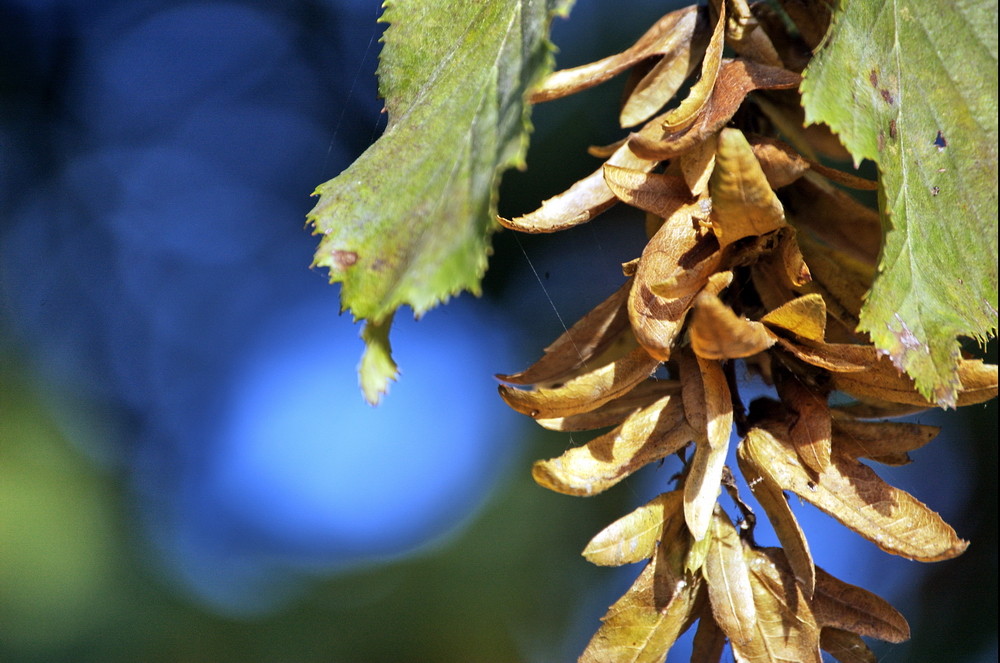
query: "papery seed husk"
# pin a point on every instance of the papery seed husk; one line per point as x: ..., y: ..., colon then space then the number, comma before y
x: 728, y: 578
x: 811, y: 430
x: 701, y: 487
x: 803, y: 316
x: 658, y: 194
x: 645, y: 622
x: 779, y: 513
x: 677, y: 248
x: 786, y: 629
x: 736, y: 79
x: 665, y: 78
x: 743, y: 203
x: 880, y: 440
x: 697, y: 164
x: 841, y: 605
x: 633, y: 538
x: 648, y: 435
x: 883, y: 381
x: 585, y: 392
x: 718, y: 333
x: 616, y: 410
x: 581, y: 343
x: 687, y: 112
x: 845, y: 646
x: 852, y: 493
x: 836, y: 218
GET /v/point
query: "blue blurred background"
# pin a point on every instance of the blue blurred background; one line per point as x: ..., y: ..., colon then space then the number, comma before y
x: 187, y: 469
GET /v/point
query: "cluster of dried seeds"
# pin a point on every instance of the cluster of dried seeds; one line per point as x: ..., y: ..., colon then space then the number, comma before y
x: 755, y: 254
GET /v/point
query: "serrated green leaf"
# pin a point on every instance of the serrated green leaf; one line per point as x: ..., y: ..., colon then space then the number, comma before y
x: 409, y: 222
x: 912, y: 85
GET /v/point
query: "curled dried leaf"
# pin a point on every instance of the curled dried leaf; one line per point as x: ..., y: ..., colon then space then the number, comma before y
x: 650, y: 434
x: 678, y: 253
x: 633, y: 538
x: 665, y: 78
x: 844, y: 606
x: 743, y: 203
x: 585, y: 340
x: 670, y: 35
x: 585, y: 392
x: 685, y: 114
x: 852, y: 493
x: 718, y: 333
x: 616, y: 410
x: 736, y: 79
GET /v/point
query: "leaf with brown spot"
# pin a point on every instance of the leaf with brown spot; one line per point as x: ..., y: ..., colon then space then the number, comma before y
x: 845, y: 646
x: 852, y: 493
x: 873, y: 408
x: 616, y: 410
x: 585, y: 340
x: 633, y: 538
x: 883, y: 381
x: 811, y: 430
x: 786, y: 526
x: 743, y: 203
x: 648, y: 435
x: 844, y: 606
x: 884, y: 441
x: 728, y: 579
x: 644, y: 623
x: 736, y: 79
x: 678, y: 253
x: 671, y: 36
x: 803, y: 316
x: 701, y: 486
x: 718, y: 333
x: 684, y: 115
x: 585, y: 392
x: 785, y: 629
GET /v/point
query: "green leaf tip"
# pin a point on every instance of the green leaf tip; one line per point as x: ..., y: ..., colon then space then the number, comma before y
x: 912, y: 85
x: 377, y: 368
x: 409, y: 222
